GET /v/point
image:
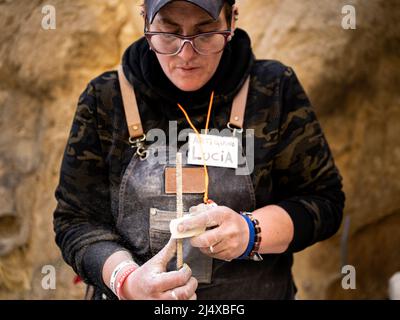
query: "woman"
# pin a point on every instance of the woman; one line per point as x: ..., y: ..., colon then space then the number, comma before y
x: 114, y: 199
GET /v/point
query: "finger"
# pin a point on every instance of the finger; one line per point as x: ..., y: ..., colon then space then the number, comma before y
x: 208, y: 238
x: 214, y: 249
x: 197, y: 209
x: 166, y: 254
x: 202, y: 207
x: 210, y: 218
x: 184, y: 292
x: 219, y: 247
x: 193, y: 297
x: 197, y: 221
x: 173, y: 279
x: 207, y: 252
x: 222, y: 255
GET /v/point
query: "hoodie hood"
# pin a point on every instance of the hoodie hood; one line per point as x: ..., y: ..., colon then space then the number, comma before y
x: 143, y: 71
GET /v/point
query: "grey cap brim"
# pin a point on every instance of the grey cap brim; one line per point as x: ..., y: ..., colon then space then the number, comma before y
x: 212, y: 7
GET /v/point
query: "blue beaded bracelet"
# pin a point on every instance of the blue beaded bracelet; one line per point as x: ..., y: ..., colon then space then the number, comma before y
x: 252, y: 232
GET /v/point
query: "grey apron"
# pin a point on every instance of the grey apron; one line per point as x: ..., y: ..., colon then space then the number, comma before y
x: 142, y: 210
x: 147, y: 209
x: 143, y: 219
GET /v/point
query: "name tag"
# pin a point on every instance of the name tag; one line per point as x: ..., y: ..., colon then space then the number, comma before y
x: 218, y: 151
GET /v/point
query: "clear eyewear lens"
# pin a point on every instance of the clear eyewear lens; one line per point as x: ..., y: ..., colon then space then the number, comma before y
x: 204, y: 44
x: 211, y: 43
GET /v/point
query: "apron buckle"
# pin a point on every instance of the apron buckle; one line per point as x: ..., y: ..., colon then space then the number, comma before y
x: 234, y: 129
x: 139, y: 144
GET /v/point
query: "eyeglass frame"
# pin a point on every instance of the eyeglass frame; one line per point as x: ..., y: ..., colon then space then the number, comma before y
x: 226, y: 33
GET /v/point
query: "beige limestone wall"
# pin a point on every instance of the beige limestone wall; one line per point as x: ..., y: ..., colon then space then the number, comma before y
x: 351, y: 77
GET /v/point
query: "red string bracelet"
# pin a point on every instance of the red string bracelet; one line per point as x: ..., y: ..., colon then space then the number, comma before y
x: 122, y: 278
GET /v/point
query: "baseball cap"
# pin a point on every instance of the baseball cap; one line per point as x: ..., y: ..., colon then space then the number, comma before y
x: 213, y: 7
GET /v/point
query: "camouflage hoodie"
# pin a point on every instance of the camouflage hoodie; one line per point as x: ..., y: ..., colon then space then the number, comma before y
x: 293, y: 165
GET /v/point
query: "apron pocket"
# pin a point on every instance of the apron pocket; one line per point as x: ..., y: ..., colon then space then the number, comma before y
x: 159, y: 228
x: 159, y: 232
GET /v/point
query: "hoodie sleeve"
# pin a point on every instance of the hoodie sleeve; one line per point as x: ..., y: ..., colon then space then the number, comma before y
x: 83, y: 223
x: 308, y: 182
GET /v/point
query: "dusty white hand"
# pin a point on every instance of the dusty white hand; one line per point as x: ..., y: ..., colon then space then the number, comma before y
x: 151, y: 281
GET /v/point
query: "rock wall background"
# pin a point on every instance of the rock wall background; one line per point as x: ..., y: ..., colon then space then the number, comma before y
x: 351, y: 77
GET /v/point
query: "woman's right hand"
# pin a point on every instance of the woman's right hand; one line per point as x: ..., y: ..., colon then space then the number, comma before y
x: 151, y: 281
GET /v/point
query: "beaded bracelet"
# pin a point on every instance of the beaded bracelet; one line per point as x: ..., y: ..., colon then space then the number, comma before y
x: 254, y: 255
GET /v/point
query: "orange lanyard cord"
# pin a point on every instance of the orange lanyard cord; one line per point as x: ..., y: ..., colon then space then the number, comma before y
x: 206, y: 179
x: 209, y: 111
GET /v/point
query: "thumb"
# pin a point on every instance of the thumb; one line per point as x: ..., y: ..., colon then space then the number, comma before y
x: 166, y: 254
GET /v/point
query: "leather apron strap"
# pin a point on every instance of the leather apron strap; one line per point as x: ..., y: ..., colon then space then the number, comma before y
x: 130, y: 105
x: 133, y: 116
x: 239, y: 106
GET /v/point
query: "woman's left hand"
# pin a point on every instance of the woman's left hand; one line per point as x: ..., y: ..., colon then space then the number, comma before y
x: 227, y: 241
